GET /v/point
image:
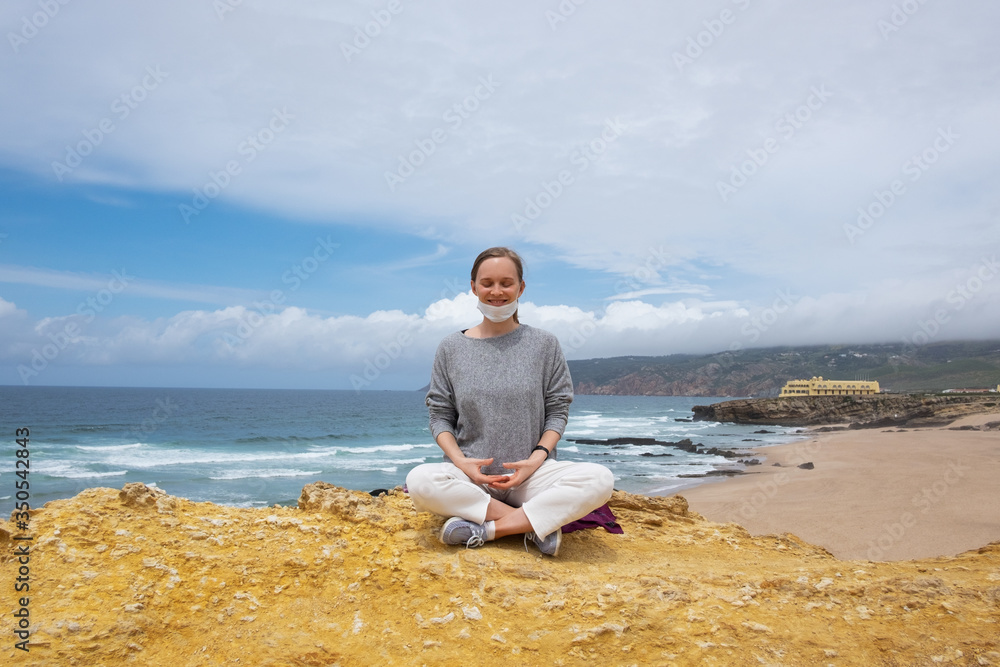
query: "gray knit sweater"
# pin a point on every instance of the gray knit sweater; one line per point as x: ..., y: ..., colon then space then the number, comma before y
x: 498, y: 395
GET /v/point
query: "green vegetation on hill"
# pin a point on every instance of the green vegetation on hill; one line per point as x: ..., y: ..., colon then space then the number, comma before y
x: 762, y: 372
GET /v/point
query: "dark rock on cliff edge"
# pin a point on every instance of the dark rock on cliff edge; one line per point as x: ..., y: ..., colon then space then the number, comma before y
x: 876, y: 411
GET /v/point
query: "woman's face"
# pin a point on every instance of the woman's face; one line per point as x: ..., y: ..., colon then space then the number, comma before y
x: 496, y: 282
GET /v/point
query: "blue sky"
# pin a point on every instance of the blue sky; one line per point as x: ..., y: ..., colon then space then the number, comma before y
x: 281, y: 194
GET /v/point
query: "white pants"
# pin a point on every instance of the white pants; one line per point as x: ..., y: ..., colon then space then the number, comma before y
x: 556, y: 494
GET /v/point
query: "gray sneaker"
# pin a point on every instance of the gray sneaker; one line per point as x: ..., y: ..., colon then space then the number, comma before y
x: 459, y: 531
x: 549, y: 546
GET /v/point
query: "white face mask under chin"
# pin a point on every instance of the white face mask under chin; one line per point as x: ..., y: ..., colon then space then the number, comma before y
x: 497, y: 313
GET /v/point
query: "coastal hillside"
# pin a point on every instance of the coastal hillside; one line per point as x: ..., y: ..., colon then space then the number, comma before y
x: 762, y: 372
x: 139, y: 577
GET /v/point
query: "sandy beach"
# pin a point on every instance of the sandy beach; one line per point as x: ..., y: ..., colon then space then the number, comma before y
x: 880, y: 495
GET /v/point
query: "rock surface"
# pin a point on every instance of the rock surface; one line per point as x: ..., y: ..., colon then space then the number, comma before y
x: 140, y: 577
x: 874, y: 411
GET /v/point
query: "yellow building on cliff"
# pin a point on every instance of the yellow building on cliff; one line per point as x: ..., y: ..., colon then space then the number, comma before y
x: 817, y: 386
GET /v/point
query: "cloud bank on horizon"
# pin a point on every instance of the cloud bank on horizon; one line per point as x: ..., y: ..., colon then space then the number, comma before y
x: 259, y: 193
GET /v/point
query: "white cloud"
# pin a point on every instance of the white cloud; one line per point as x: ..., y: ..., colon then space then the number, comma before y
x: 395, y: 347
x: 8, y: 309
x: 514, y: 108
x: 120, y: 281
x: 650, y: 291
x: 684, y: 129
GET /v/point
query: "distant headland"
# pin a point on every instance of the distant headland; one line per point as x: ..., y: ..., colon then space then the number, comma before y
x: 897, y: 368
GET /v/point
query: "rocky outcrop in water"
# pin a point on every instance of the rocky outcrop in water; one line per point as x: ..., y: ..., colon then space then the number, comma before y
x: 874, y: 411
x: 685, y: 445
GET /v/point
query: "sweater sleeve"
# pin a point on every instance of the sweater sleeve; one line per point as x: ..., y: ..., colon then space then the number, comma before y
x: 441, y: 397
x: 558, y: 392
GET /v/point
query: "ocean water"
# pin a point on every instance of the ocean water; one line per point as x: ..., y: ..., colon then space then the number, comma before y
x: 260, y: 447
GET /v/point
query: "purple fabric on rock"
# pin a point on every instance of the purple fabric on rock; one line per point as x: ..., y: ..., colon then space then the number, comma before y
x: 602, y: 516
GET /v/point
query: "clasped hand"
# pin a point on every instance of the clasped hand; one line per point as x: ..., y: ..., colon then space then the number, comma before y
x: 522, y: 471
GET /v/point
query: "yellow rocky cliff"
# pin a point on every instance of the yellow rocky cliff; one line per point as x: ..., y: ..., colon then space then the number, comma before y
x: 140, y: 577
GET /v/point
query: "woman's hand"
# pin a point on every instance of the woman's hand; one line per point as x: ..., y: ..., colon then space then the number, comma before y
x: 526, y: 468
x: 472, y: 470
x: 522, y: 471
